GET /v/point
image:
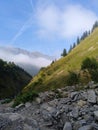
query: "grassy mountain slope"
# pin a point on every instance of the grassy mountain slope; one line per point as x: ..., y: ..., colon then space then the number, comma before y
x: 12, y: 79
x: 55, y: 75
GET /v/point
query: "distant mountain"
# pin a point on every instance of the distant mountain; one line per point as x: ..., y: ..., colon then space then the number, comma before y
x: 29, y: 61
x: 12, y: 79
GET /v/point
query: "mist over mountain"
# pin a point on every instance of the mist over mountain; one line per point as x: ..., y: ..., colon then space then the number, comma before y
x: 29, y: 61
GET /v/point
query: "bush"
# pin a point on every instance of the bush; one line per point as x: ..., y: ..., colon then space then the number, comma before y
x: 92, y: 66
x: 89, y: 64
x: 25, y: 97
x: 6, y: 101
x: 73, y: 78
x: 85, y: 77
x: 94, y: 75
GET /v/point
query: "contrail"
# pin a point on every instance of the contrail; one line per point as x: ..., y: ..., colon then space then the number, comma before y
x: 25, y: 26
x: 31, y: 2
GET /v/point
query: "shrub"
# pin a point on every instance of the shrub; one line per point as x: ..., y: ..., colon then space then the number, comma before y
x: 85, y: 77
x: 73, y: 78
x: 89, y: 64
x: 92, y: 66
x: 6, y: 101
x: 94, y: 75
x: 25, y: 97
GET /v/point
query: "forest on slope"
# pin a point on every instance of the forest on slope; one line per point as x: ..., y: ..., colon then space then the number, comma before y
x: 12, y: 79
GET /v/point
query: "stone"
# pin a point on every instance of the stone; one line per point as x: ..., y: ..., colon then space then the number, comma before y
x: 87, y: 127
x: 67, y: 126
x: 64, y: 94
x: 28, y: 104
x: 91, y: 96
x: 31, y: 122
x: 78, y: 124
x: 81, y: 103
x: 20, y: 106
x: 12, y: 121
x: 94, y: 126
x: 96, y: 115
x: 91, y: 84
x: 38, y: 100
x: 73, y: 94
x: 27, y: 127
x: 84, y: 95
x: 4, y: 122
x: 14, y: 116
x: 75, y: 112
x: 95, y: 107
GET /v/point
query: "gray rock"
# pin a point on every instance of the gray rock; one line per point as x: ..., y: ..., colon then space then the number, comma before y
x: 96, y: 115
x: 75, y: 112
x: 78, y: 124
x: 28, y: 104
x: 94, y: 126
x: 73, y: 94
x: 4, y: 123
x: 84, y: 95
x: 87, y: 127
x: 11, y: 116
x: 91, y: 96
x: 27, y: 127
x: 11, y: 121
x: 91, y: 84
x: 67, y: 126
x: 81, y: 103
x: 38, y: 100
x: 14, y: 116
x: 20, y: 106
x: 31, y: 122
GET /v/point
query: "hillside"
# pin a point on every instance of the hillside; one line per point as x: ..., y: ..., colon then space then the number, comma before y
x: 54, y: 76
x: 12, y: 79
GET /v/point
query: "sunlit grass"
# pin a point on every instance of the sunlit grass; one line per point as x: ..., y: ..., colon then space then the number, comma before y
x: 54, y: 76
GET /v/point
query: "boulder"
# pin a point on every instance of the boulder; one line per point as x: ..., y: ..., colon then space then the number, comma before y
x: 67, y: 126
x: 81, y: 103
x: 91, y: 96
x: 96, y: 115
x: 87, y: 127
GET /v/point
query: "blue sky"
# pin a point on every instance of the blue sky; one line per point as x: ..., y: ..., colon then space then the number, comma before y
x: 47, y: 26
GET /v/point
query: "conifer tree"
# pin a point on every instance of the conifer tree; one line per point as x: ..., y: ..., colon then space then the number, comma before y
x: 64, y: 53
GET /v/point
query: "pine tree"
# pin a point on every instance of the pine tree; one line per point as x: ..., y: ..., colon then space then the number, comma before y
x: 78, y: 40
x: 74, y: 45
x: 64, y: 53
x: 70, y: 49
x: 95, y: 26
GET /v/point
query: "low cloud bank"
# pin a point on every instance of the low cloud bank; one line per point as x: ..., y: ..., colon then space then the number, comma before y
x: 24, y: 58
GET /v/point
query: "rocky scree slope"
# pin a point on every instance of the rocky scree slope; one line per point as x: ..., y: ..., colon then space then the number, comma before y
x: 62, y: 109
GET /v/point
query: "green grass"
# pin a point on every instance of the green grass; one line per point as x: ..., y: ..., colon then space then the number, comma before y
x: 54, y: 76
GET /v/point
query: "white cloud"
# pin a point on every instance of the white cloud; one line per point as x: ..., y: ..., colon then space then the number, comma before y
x: 51, y: 21
x: 65, y: 23
x: 23, y: 57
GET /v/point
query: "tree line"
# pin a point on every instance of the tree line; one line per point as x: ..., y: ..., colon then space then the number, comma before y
x: 79, y: 39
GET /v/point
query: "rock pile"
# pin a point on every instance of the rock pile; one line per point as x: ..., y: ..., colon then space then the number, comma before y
x: 55, y: 110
